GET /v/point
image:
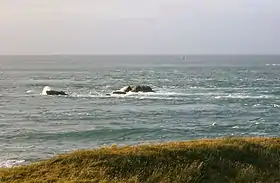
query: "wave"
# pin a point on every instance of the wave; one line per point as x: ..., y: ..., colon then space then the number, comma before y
x: 139, y: 95
x: 45, y: 89
x: 154, y: 94
x: 11, y: 163
x: 272, y: 64
x: 163, y: 95
x: 275, y: 93
x: 243, y: 97
x: 29, y: 91
x: 106, y: 134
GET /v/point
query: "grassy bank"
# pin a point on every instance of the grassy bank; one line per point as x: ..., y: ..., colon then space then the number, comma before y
x: 221, y: 160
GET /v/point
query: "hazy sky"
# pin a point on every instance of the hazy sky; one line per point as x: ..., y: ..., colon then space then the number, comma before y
x: 139, y: 26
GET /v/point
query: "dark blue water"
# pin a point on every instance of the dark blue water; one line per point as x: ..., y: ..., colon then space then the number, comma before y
x: 196, y: 97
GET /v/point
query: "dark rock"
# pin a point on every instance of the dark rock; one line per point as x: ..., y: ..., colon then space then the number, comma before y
x: 126, y: 89
x: 142, y: 89
x: 53, y: 92
x: 137, y: 88
x: 119, y: 92
x: 147, y: 89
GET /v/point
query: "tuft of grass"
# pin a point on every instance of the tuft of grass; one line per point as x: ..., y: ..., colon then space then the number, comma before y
x: 217, y: 160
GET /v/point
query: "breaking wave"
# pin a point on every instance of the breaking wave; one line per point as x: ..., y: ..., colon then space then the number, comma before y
x: 272, y: 64
x: 11, y: 163
x: 45, y: 89
x: 237, y: 96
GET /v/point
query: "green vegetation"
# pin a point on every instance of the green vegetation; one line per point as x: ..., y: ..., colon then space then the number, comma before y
x: 221, y: 160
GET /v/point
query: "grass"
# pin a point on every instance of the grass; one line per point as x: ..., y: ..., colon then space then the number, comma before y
x: 218, y: 161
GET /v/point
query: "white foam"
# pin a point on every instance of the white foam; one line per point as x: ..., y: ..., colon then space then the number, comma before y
x: 11, y: 163
x: 160, y: 93
x: 124, y: 88
x: 29, y: 91
x: 273, y: 64
x: 151, y: 95
x: 86, y: 96
x: 242, y: 97
x: 236, y: 127
x: 139, y: 95
x: 45, y: 89
x: 276, y: 106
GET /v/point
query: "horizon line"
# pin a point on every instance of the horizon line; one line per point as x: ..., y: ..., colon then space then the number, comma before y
x: 89, y: 54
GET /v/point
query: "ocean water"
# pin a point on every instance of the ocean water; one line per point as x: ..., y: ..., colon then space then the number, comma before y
x: 196, y: 97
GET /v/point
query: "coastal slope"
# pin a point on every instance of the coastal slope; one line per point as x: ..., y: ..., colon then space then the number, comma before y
x: 210, y: 160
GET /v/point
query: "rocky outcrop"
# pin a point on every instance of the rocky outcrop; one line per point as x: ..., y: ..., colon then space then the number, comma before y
x: 118, y: 92
x: 138, y: 88
x: 53, y: 92
x: 49, y: 91
x: 143, y: 88
x: 126, y: 89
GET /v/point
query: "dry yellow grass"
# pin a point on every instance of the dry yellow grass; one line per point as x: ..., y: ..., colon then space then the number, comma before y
x: 218, y: 161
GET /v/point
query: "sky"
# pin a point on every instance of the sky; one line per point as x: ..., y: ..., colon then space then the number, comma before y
x: 140, y: 27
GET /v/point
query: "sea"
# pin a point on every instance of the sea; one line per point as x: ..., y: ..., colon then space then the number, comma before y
x: 197, y: 97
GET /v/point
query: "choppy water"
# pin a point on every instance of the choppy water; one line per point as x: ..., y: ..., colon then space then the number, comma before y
x: 199, y: 97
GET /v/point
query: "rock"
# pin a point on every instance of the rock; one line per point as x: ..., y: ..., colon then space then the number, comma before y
x: 53, y: 92
x: 147, y: 89
x: 126, y: 89
x: 118, y: 92
x: 137, y: 88
x: 143, y: 88
x: 49, y: 91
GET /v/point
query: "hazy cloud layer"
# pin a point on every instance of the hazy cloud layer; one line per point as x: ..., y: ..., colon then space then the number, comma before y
x: 135, y: 27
